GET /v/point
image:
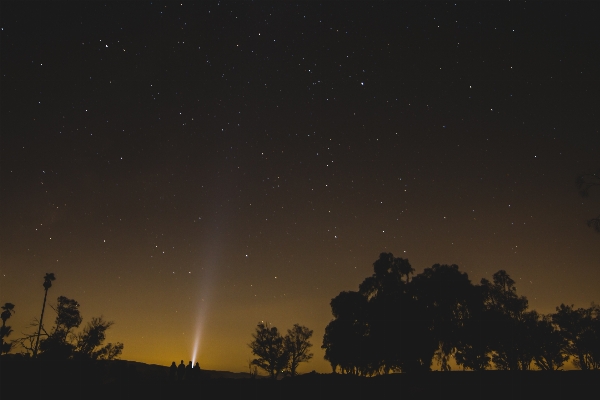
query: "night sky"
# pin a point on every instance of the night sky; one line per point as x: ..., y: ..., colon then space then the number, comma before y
x: 189, y: 170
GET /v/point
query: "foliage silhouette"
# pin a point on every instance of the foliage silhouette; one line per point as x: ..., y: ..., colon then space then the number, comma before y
x: 8, y: 309
x: 269, y: 348
x: 297, y: 346
x: 382, y: 327
x: 345, y: 340
x: 48, y: 278
x: 63, y: 343
x: 58, y: 343
x: 398, y: 323
x: 550, y: 346
x: 581, y: 328
x: 507, y: 331
x: 276, y: 354
x: 92, y: 337
x: 450, y: 303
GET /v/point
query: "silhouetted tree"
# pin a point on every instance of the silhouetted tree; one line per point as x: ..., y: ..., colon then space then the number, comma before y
x: 390, y: 273
x: 269, y: 348
x: 58, y: 343
x: 67, y: 316
x: 381, y: 327
x: 550, y: 346
x: 297, y: 346
x: 450, y: 302
x: 507, y: 323
x: 473, y: 350
x: 48, y: 278
x: 89, y: 341
x: 109, y: 352
x: 395, y: 322
x: 63, y: 343
x: 585, y: 182
x: 581, y: 328
x: 346, y: 341
x: 8, y: 310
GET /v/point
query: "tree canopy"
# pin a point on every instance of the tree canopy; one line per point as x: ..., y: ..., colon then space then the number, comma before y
x: 397, y: 323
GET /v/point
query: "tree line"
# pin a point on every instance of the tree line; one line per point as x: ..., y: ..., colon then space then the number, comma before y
x: 61, y: 341
x: 404, y: 323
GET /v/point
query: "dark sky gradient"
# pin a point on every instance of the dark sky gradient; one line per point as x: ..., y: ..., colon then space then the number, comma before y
x: 190, y: 170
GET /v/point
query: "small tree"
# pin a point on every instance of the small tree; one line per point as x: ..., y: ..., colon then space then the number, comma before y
x: 297, y: 346
x: 109, y: 352
x: 509, y: 328
x: 48, y: 278
x: 269, y: 348
x: 5, y: 331
x: 581, y: 328
x: 67, y: 316
x: 57, y: 345
x: 550, y: 346
x: 92, y: 337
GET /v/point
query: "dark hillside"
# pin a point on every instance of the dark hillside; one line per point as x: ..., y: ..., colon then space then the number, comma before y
x: 31, y: 379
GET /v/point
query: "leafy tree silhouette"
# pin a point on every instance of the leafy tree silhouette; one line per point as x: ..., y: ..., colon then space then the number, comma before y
x: 48, y: 278
x: 297, y: 346
x: 346, y: 340
x: 473, y: 350
x: 381, y: 327
x: 507, y: 325
x: 8, y: 310
x: 109, y: 352
x: 57, y: 345
x: 395, y: 323
x: 269, y: 348
x: 92, y: 337
x: 392, y: 314
x: 450, y: 302
x: 63, y: 343
x: 550, y: 346
x: 581, y: 328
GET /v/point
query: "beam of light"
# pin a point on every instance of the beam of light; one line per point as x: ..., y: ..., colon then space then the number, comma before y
x: 197, y: 341
x: 212, y: 247
x: 206, y: 285
x: 199, y: 330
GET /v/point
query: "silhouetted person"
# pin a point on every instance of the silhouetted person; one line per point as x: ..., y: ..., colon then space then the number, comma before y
x: 196, y: 372
x: 188, y: 372
x: 181, y: 371
x: 173, y: 371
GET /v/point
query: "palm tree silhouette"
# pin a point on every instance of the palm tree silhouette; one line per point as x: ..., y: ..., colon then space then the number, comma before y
x: 8, y: 311
x: 48, y: 278
x: 5, y: 331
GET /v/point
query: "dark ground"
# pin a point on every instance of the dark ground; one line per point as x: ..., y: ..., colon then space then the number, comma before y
x: 30, y: 379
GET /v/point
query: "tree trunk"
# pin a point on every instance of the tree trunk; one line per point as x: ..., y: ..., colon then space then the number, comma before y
x: 37, y: 341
